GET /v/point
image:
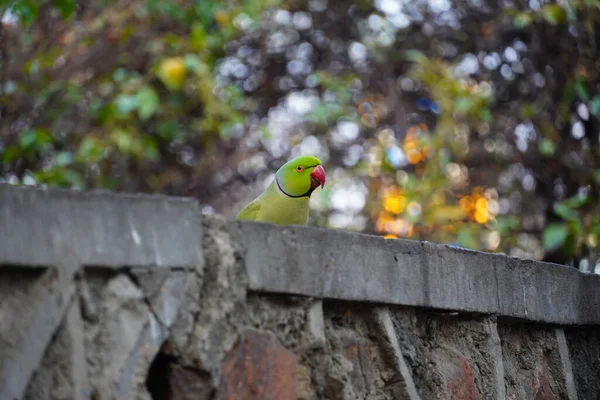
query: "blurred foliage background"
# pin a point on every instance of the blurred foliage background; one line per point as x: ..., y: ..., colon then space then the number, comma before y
x: 468, y: 122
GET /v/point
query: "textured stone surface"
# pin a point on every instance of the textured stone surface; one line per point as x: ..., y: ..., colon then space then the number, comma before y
x: 31, y: 313
x: 357, y: 363
x: 258, y: 367
x: 101, y: 228
x: 389, y: 339
x: 135, y: 312
x: 189, y: 384
x: 105, y: 229
x: 584, y: 351
x: 285, y: 312
x: 565, y: 359
x: 326, y: 263
x: 214, y: 326
x: 63, y: 371
x: 532, y: 363
x: 450, y: 356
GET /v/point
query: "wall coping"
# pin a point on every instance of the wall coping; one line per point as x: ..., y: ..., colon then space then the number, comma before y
x: 104, y: 229
x: 39, y: 226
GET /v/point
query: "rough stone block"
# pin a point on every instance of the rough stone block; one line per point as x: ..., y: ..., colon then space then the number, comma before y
x: 222, y: 300
x: 316, y: 323
x: 258, y: 367
x: 389, y: 338
x: 62, y: 374
x: 565, y: 359
x: 183, y: 326
x: 584, y: 348
x: 189, y: 384
x: 532, y: 363
x: 305, y: 387
x: 130, y: 329
x: 449, y: 356
x: 35, y: 310
x: 357, y: 363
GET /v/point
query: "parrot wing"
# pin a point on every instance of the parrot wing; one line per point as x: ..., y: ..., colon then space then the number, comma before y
x: 249, y: 212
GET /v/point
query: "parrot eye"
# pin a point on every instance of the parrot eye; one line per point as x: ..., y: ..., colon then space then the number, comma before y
x: 299, y: 168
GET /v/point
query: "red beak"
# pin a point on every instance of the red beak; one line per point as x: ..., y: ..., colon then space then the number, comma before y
x: 318, y: 176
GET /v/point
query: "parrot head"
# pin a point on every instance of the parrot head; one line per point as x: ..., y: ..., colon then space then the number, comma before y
x: 300, y: 176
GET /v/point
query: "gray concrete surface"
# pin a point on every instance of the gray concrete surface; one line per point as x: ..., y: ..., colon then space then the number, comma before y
x: 103, y: 229
x: 132, y: 230
x: 350, y: 316
x: 341, y: 265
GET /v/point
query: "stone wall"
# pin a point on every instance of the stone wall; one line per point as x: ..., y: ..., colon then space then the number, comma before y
x: 106, y: 296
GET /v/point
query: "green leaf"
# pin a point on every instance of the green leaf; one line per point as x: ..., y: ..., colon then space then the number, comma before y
x: 414, y: 55
x: 595, y: 106
x: 554, y: 236
x: 126, y: 103
x: 63, y: 158
x: 581, y: 89
x: 546, y: 147
x: 90, y: 150
x: 60, y: 176
x: 486, y: 115
x: 522, y: 20
x: 198, y: 36
x: 120, y: 75
x: 26, y: 10
x: 193, y: 63
x: 147, y: 102
x: 123, y: 140
x: 576, y: 201
x: 150, y: 148
x: 597, y: 175
x: 565, y: 212
x: 506, y: 224
x: 35, y: 139
x: 463, y: 105
x: 167, y: 129
x: 527, y: 111
x: 10, y: 154
x: 74, y: 178
x: 103, y: 112
x: 66, y: 7
x: 319, y: 113
x: 27, y: 139
x: 466, y: 238
x: 554, y: 14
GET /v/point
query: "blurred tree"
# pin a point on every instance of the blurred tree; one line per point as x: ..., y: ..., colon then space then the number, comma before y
x: 467, y: 122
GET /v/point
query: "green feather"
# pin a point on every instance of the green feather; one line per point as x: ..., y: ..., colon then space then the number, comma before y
x: 277, y: 203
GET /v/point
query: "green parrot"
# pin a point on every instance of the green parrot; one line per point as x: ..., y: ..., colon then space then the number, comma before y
x: 285, y: 201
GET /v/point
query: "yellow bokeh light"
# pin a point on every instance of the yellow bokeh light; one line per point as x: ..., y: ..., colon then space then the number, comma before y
x: 383, y: 222
x: 414, y: 147
x: 394, y: 204
x: 410, y: 144
x: 172, y: 72
x: 390, y: 236
x: 414, y: 156
x: 466, y: 204
x: 481, y: 204
x: 393, y: 227
x: 482, y: 216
